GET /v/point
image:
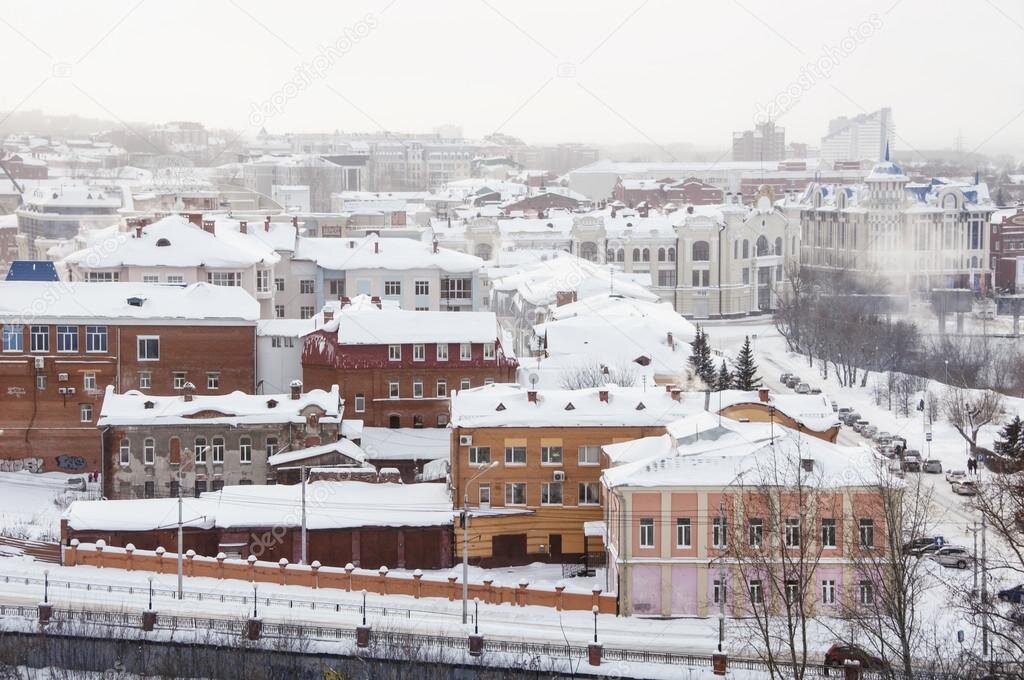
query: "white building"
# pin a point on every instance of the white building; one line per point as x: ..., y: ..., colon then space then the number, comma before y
x: 863, y: 137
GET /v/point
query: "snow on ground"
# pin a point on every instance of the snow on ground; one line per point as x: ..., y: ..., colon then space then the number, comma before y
x: 31, y: 504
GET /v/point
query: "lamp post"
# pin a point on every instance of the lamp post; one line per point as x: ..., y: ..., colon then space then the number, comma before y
x: 595, y: 610
x: 46, y: 586
x: 465, y: 540
x: 150, y: 579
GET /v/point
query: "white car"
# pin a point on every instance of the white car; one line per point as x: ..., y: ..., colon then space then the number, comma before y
x: 952, y: 556
x: 954, y: 476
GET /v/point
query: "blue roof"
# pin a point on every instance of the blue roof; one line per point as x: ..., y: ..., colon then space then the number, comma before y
x: 32, y: 270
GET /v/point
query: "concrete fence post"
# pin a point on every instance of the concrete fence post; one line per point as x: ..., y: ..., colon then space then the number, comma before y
x: 452, y: 578
x: 282, y: 564
x: 129, y: 550
x: 160, y: 559
x: 189, y: 556
x: 349, y: 568
x: 417, y: 579
x: 220, y: 565
x: 315, y: 569
x: 559, y: 589
x: 382, y: 583
x: 521, y: 592
x: 72, y: 558
x: 100, y: 545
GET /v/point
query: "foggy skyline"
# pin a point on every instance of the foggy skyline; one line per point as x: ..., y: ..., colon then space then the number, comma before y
x: 641, y: 72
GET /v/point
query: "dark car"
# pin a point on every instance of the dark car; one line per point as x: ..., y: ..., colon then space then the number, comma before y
x: 838, y: 654
x: 1013, y: 595
x: 923, y: 546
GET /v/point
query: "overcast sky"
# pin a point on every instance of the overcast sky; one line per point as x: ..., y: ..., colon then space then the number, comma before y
x: 660, y: 71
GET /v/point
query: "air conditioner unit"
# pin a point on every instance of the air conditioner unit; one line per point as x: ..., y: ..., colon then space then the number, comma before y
x: 40, y: 363
x: 62, y: 390
x: 465, y: 440
x: 71, y: 390
x: 62, y: 377
x: 559, y: 476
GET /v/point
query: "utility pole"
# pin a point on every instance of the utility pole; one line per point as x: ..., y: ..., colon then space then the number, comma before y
x: 721, y: 574
x: 465, y: 556
x: 985, y: 651
x: 305, y: 556
x: 180, y: 544
x: 973, y: 528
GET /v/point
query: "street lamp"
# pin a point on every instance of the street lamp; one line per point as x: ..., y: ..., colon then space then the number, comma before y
x: 465, y: 539
x: 595, y: 610
x: 150, y: 578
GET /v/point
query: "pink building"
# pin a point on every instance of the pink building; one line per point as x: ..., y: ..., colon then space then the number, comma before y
x: 716, y: 499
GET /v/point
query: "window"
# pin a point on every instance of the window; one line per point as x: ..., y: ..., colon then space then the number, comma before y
x: 442, y: 352
x: 719, y: 533
x: 40, y: 338
x: 125, y: 452
x: 149, y: 489
x: 718, y: 591
x: 683, y: 532
x: 89, y: 380
x: 793, y: 532
x: 149, y: 451
x: 489, y: 350
x: 479, y: 455
x: 394, y: 352
x: 145, y: 380
x: 589, y: 455
x: 393, y: 390
x: 306, y: 286
x: 746, y: 275
x: 464, y: 384
x: 213, y: 381
x: 551, y: 455
x: 224, y: 278
x: 867, y: 533
x: 667, y: 277
x: 217, y: 485
x: 200, y: 449
x: 746, y: 249
x: 41, y: 381
x: 589, y: 493
x: 828, y: 591
x: 828, y: 533
x: 485, y: 494
x: 515, y: 493
x: 515, y: 455
x: 244, y: 450
x: 103, y: 277
x: 200, y: 487
x: 178, y: 380
x: 67, y: 338
x: 175, y: 489
x: 756, y: 591
x: 465, y: 351
x: 422, y: 287
x: 551, y: 493
x: 417, y: 389
x: 866, y: 593
x: 419, y: 353
x: 647, y: 532
x: 14, y: 337
x: 85, y: 413
x: 279, y: 285
x: 442, y: 388
x: 271, y: 446
x: 701, y: 278
x: 701, y: 251
x: 306, y: 312
x: 392, y: 288
x: 278, y: 311
x: 360, y: 403
x: 149, y: 347
x: 756, y: 531
x: 792, y: 589
x: 262, y: 281
x: 217, y: 449
x: 175, y: 279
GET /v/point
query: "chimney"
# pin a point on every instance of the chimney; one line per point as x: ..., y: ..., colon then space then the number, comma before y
x: 295, y: 222
x: 603, y: 394
x: 266, y: 223
x: 762, y: 395
x: 345, y: 301
x: 328, y: 314
x: 531, y: 396
x: 689, y: 210
x: 243, y: 227
x: 807, y: 464
x: 677, y: 394
x: 190, y: 391
x: 375, y: 301
x: 671, y: 341
x: 138, y: 231
x: 376, y: 247
x: 296, y: 388
x: 565, y: 297
x: 209, y: 226
x: 434, y: 244
x: 196, y: 219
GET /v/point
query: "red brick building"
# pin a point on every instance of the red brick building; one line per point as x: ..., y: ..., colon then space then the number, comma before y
x: 25, y: 167
x: 397, y: 367
x: 63, y: 343
x: 1007, y: 248
x: 656, y: 193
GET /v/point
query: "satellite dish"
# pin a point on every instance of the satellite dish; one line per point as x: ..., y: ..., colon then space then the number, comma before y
x: 534, y: 378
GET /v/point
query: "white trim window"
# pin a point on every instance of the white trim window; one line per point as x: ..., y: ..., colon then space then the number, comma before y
x: 89, y: 380
x: 828, y: 591
x: 828, y: 533
x: 479, y: 455
x: 125, y: 452
x: 145, y: 380
x: 213, y: 380
x: 515, y: 455
x: 417, y: 389
x: 465, y: 351
x: 14, y: 337
x: 515, y: 493
x: 647, y: 532
x: 149, y: 451
x: 551, y: 455
x: 683, y: 532
x: 217, y: 450
x: 85, y: 413
x: 551, y: 493
x: 96, y: 339
x: 589, y: 455
x: 442, y: 351
x: 67, y: 338
x: 394, y: 392
x: 442, y: 388
x: 489, y: 351
x: 589, y: 493
x: 360, y: 403
x: 245, y: 450
x: 793, y: 532
x: 419, y: 352
x: 394, y: 352
x: 40, y: 338
x: 148, y: 347
x: 200, y: 449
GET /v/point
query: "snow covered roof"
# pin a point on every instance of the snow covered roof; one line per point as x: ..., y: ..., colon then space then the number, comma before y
x: 508, y: 405
x: 337, y: 505
x: 343, y: 446
x: 813, y: 411
x: 293, y: 328
x: 237, y: 408
x: 365, y: 324
x: 539, y: 284
x: 126, y: 302
x: 737, y: 461
x: 373, y: 252
x: 73, y: 196
x: 384, y: 443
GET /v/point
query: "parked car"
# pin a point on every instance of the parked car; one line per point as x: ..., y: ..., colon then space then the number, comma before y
x: 869, y: 431
x: 911, y: 464
x: 815, y: 390
x: 851, y: 418
x: 923, y: 546
x: 785, y: 377
x: 953, y: 556
x: 1014, y: 595
x: 965, y: 488
x: 75, y: 484
x: 839, y: 654
x: 954, y: 476
x: 886, y: 451
x: 843, y: 412
x: 802, y: 388
x: 882, y: 434
x: 896, y: 468
x: 933, y: 465
x: 793, y: 381
x: 859, y: 425
x: 835, y: 407
x: 883, y: 441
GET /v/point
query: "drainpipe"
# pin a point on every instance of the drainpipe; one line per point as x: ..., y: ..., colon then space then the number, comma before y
x: 721, y: 230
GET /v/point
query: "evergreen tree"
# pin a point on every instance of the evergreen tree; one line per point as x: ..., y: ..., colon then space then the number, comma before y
x: 1012, y: 436
x: 700, y: 358
x: 724, y: 381
x: 745, y: 376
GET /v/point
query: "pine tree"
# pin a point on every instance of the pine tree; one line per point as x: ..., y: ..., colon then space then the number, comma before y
x: 745, y: 376
x: 724, y: 381
x: 1012, y: 436
x: 700, y: 358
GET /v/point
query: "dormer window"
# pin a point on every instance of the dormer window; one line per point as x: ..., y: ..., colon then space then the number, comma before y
x: 162, y: 243
x: 640, y: 406
x: 148, y: 404
x: 272, y: 403
x: 570, y: 407
x: 501, y: 407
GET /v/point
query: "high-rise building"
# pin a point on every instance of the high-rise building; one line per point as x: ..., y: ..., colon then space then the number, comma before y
x: 766, y: 142
x: 863, y: 137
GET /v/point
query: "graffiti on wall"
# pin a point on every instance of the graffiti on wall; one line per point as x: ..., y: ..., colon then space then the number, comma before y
x: 16, y: 392
x: 19, y: 464
x: 72, y: 463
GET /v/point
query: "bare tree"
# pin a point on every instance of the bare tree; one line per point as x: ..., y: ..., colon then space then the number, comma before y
x: 598, y: 375
x: 970, y: 410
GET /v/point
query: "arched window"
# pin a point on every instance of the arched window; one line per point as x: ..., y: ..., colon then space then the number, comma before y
x: 762, y: 246
x: 217, y: 450
x: 647, y: 254
x: 949, y: 202
x: 620, y: 256
x: 200, y: 449
x: 483, y: 251
x: 661, y: 254
x: 394, y: 421
x: 148, y: 451
x: 671, y: 254
x: 636, y: 254
x: 609, y: 255
x: 746, y: 249
x: 701, y: 251
x: 778, y: 246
